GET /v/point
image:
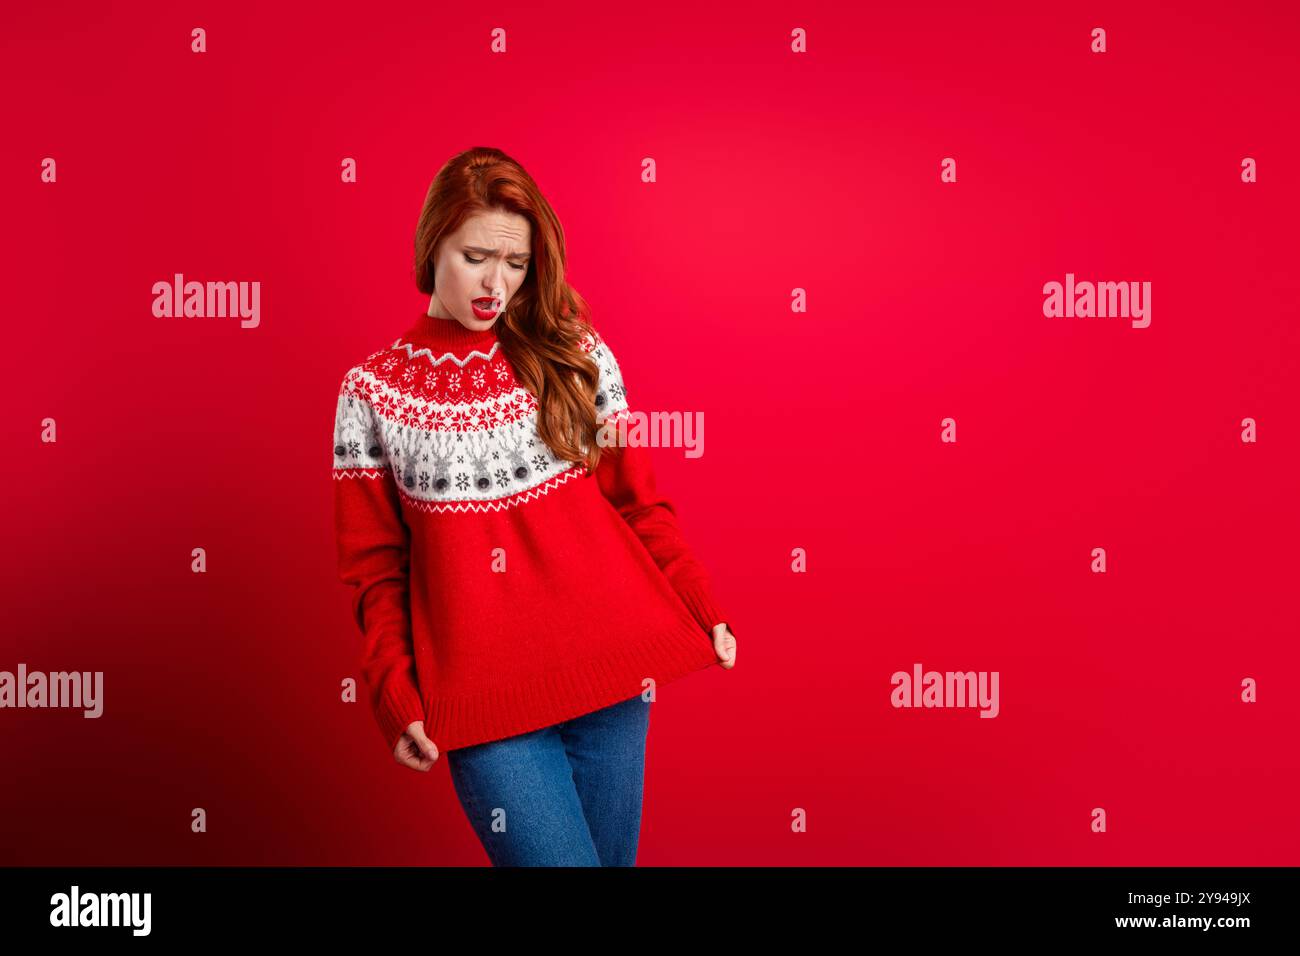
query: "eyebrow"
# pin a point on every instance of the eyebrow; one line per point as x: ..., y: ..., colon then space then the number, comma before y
x: 493, y: 252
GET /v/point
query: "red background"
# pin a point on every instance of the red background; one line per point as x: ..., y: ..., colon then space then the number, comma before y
x: 776, y: 171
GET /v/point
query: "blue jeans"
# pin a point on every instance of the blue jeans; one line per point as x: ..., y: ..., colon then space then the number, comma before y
x: 566, y: 795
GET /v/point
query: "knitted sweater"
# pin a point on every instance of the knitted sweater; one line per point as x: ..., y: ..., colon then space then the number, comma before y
x: 500, y: 589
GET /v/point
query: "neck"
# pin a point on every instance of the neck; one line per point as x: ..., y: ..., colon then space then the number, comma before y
x: 448, y: 335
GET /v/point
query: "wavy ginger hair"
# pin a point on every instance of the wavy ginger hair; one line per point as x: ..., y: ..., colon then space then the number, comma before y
x: 543, y: 326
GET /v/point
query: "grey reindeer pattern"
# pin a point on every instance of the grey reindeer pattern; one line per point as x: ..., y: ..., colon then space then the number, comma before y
x: 404, y: 443
x: 611, y: 396
x: 356, y: 436
x: 512, y: 442
x: 443, y: 448
x: 478, y: 448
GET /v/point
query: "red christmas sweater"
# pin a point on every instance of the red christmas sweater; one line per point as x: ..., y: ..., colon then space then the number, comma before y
x: 500, y: 589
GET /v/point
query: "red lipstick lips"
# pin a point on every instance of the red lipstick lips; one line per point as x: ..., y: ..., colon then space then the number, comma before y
x: 485, y: 307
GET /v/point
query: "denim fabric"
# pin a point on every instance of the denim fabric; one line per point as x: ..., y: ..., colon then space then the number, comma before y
x: 565, y: 795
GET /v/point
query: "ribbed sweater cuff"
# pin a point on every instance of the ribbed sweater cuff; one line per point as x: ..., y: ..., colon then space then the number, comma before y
x: 397, y: 706
x: 698, y: 599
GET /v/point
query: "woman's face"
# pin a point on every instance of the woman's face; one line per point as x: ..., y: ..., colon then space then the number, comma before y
x: 487, y: 257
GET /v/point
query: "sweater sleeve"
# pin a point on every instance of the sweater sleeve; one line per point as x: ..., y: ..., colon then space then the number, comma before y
x: 627, y: 480
x: 374, y: 559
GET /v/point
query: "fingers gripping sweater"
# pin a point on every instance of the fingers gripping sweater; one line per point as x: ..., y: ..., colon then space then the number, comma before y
x: 499, y: 589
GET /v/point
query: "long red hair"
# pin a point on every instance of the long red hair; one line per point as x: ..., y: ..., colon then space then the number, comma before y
x: 543, y: 326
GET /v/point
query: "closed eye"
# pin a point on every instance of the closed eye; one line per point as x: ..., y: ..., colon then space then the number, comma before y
x: 476, y: 262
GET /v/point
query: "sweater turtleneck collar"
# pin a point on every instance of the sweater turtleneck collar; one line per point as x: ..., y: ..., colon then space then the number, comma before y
x: 448, y: 335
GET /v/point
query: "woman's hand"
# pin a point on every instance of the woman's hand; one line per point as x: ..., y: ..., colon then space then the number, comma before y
x: 415, y: 750
x: 724, y: 645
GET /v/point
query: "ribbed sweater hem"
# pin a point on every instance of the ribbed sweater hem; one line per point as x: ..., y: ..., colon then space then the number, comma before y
x: 559, y: 695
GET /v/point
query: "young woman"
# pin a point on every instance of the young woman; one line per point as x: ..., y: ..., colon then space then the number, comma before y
x: 521, y: 586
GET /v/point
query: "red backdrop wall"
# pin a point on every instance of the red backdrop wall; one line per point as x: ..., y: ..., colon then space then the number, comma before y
x: 776, y: 171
